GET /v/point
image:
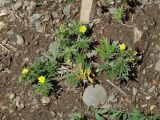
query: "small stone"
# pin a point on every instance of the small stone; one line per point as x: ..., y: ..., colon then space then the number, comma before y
x: 4, y: 42
x: 17, y: 54
x: 137, y: 34
x: 94, y: 95
x: 2, y: 25
x: 144, y: 71
x: 60, y: 114
x: 111, y: 98
x: 91, y: 54
x: 53, y: 113
x: 134, y: 91
x: 45, y: 100
x: 39, y: 27
x: 145, y: 27
x: 20, y: 40
x: 4, y: 117
x: 34, y: 103
x: 152, y: 89
x: 4, y: 2
x: 35, y: 18
x: 157, y: 66
x: 55, y: 15
x: 158, y: 47
x: 3, y: 12
x: 67, y: 10
x: 19, y: 103
x: 146, y: 84
x: 17, y: 5
x: 11, y: 96
x: 60, y: 1
x: 26, y: 60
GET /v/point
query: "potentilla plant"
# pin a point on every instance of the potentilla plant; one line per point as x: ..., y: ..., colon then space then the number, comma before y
x: 41, y: 73
x: 117, y: 59
x: 118, y: 14
x: 69, y: 48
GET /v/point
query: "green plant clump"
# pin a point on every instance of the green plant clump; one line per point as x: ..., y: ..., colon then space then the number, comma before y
x: 117, y: 59
x: 69, y: 48
x: 104, y: 114
x: 76, y: 116
x: 118, y: 14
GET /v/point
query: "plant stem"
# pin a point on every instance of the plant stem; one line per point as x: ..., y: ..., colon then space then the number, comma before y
x: 120, y: 90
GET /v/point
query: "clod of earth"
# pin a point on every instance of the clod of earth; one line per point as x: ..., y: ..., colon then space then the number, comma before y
x: 94, y: 95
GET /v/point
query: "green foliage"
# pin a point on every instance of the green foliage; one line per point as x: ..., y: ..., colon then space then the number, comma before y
x: 118, y: 14
x: 71, y: 42
x: 44, y: 88
x: 116, y: 61
x: 121, y: 69
x: 72, y: 79
x: 104, y: 114
x: 69, y: 47
x: 76, y: 116
x: 106, y: 50
x: 43, y: 66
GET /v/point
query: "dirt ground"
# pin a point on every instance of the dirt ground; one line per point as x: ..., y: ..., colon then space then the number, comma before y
x: 21, y: 42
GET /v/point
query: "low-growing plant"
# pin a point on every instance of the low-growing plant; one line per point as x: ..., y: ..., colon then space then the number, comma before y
x: 41, y: 72
x: 69, y: 47
x: 104, y: 114
x: 117, y: 59
x: 118, y: 14
x: 76, y: 116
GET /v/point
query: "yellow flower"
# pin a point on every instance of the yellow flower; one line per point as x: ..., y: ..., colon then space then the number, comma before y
x: 25, y: 71
x: 41, y: 79
x: 122, y: 47
x: 83, y: 29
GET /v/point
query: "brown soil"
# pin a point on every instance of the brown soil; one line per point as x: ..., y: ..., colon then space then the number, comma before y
x: 70, y: 99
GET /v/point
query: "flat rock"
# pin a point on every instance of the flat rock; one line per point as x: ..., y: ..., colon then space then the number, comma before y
x: 94, y: 95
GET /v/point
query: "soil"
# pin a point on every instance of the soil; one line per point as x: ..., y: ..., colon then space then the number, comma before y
x: 147, y: 83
